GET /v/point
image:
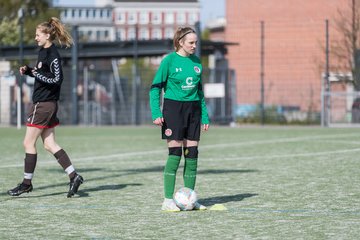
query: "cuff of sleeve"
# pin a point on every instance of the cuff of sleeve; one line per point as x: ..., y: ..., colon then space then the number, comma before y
x: 155, y: 117
x: 205, y: 121
x: 28, y: 71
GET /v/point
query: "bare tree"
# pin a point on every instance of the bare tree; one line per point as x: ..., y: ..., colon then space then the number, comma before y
x: 345, y: 50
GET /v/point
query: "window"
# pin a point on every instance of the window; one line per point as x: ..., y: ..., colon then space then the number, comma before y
x: 144, y: 18
x: 169, y: 33
x: 144, y: 34
x: 156, y: 18
x: 90, y: 35
x: 169, y: 18
x: 120, y: 17
x: 132, y: 18
x: 131, y: 34
x: 120, y: 35
x: 156, y: 34
x: 180, y: 18
x: 193, y: 18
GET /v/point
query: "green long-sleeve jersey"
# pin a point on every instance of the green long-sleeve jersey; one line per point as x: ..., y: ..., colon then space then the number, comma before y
x: 181, y: 79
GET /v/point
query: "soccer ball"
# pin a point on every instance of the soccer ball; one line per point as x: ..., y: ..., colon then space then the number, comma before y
x: 185, y: 198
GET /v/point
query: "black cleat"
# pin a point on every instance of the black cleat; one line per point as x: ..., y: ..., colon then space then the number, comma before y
x: 20, y: 189
x: 74, y: 185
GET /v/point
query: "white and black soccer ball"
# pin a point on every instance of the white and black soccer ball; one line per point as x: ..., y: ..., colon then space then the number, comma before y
x: 185, y: 198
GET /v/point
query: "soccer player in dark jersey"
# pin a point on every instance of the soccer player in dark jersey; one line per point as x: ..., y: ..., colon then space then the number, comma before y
x: 184, y: 111
x: 41, y: 119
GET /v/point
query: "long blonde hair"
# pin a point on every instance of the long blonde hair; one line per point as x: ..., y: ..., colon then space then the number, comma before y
x: 180, y: 33
x: 57, y: 31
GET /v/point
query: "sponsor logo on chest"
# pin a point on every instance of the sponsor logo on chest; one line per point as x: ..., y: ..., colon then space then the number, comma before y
x: 189, y: 80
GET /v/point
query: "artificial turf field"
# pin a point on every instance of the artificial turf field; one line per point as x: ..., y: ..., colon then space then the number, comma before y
x: 276, y: 183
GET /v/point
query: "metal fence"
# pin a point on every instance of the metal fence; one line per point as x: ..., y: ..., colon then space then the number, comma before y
x: 276, y: 77
x: 342, y: 109
x: 108, y: 94
x: 279, y: 66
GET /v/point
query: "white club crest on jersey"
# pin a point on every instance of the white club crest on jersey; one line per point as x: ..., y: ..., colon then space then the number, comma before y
x: 178, y: 69
x: 197, y: 69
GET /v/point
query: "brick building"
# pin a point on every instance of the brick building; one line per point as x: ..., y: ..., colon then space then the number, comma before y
x: 157, y: 19
x: 109, y: 20
x: 294, y: 37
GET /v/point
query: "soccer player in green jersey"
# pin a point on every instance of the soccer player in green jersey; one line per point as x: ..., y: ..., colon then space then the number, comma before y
x: 184, y: 111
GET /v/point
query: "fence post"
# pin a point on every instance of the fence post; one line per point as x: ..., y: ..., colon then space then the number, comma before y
x: 74, y: 75
x: 136, y: 81
x: 198, y: 32
x: 262, y: 74
x: 20, y: 103
x: 325, y: 96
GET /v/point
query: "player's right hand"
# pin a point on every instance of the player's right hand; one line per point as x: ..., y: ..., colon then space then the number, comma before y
x: 159, y: 121
x: 23, y: 70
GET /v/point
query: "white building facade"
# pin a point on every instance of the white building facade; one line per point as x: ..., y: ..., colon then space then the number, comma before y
x: 95, y: 23
x: 117, y: 20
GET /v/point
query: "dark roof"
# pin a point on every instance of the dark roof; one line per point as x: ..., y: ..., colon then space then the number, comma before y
x: 92, y: 50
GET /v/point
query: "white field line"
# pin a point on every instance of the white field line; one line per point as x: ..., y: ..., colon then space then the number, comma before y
x: 311, y: 154
x: 215, y: 146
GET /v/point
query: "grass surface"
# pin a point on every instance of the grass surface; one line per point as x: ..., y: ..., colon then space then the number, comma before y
x: 276, y: 183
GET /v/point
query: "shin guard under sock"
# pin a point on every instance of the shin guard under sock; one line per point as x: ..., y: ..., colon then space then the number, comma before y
x: 190, y: 166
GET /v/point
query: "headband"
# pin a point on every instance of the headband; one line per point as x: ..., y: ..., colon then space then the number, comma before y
x: 186, y: 33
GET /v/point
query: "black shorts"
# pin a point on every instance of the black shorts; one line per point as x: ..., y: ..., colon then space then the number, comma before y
x: 182, y: 120
x: 43, y: 115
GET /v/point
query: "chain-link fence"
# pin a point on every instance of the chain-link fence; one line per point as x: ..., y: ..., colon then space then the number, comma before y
x: 116, y: 92
x: 279, y: 68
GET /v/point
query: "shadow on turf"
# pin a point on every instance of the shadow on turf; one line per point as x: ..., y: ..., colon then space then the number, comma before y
x: 225, y: 199
x: 81, y: 193
x: 80, y: 170
x: 105, y: 188
x: 221, y: 171
x: 206, y: 171
x: 156, y: 169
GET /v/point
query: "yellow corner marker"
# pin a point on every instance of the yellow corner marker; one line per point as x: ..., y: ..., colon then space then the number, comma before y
x: 218, y: 207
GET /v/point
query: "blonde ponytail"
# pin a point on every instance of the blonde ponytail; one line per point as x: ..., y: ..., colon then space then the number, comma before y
x: 57, y: 31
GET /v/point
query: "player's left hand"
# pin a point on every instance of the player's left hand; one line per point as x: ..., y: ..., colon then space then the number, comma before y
x: 205, y: 127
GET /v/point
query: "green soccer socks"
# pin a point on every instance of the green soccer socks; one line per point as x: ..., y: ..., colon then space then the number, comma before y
x: 171, y: 167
